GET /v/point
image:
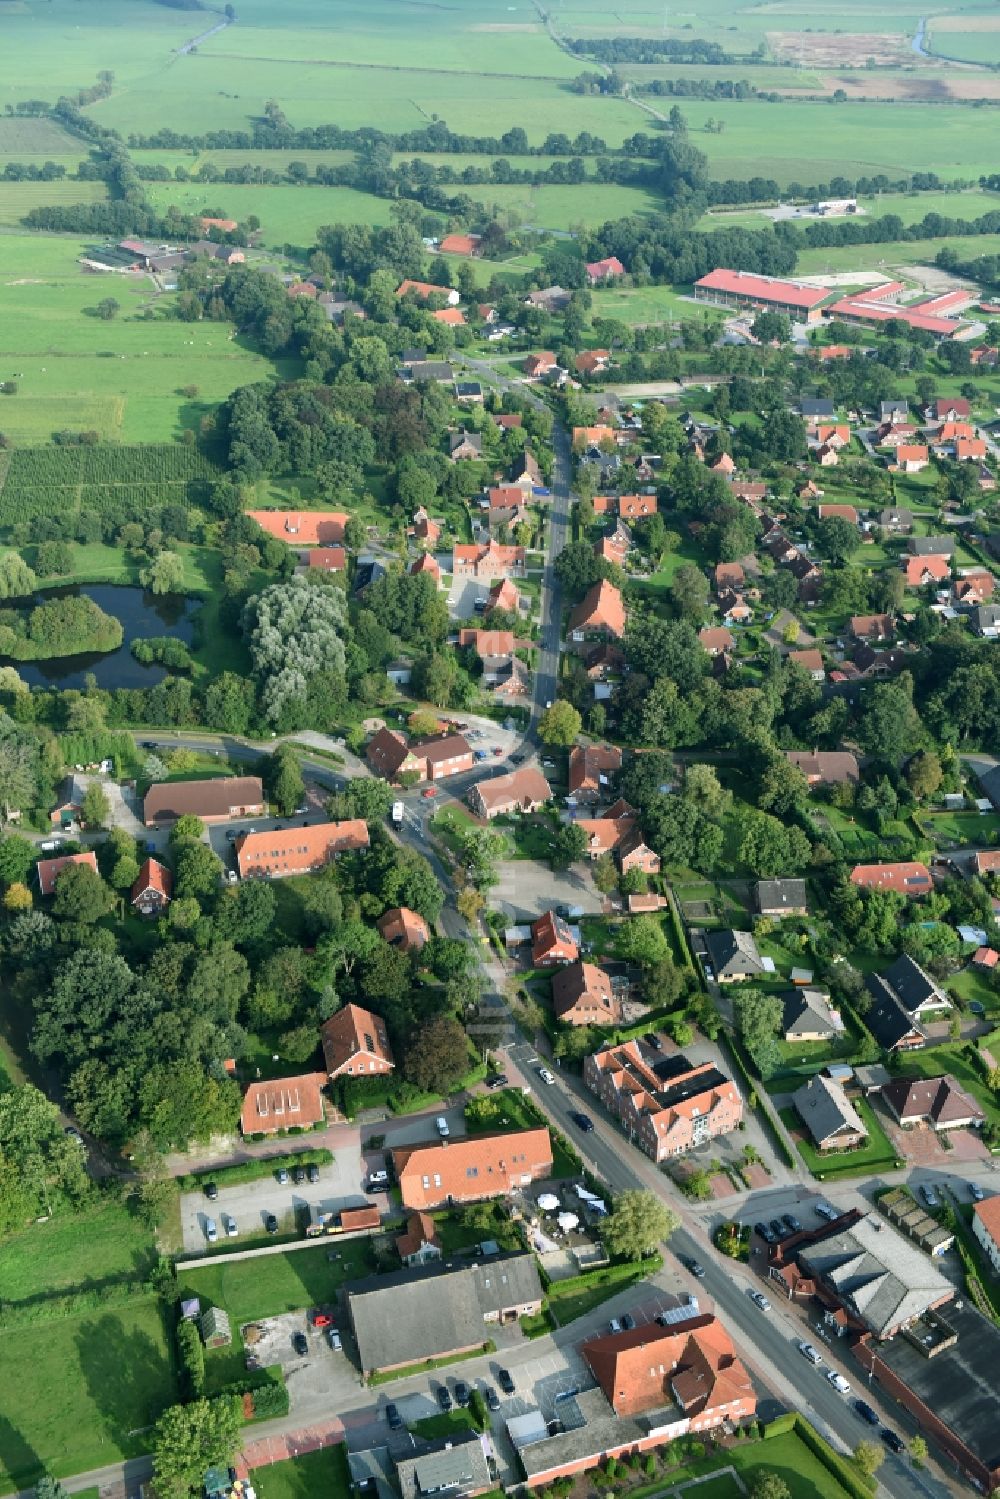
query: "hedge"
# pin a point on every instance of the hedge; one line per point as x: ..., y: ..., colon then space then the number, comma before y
x: 756, y: 1090
x: 250, y: 1171
x: 608, y: 1275
x: 843, y: 1471
x: 267, y: 1392
x: 191, y: 1356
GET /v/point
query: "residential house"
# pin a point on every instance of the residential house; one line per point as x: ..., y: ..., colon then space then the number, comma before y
x: 949, y: 409
x: 591, y: 768
x: 403, y: 928
x: 424, y: 528
x: 432, y: 371
x: 987, y: 862
x: 419, y: 1244
x: 505, y: 505
x: 604, y: 661
x: 220, y: 800
x: 582, y: 995
x: 225, y: 254
x: 729, y: 575
x: 472, y: 1169
x: 504, y: 595
x: 454, y: 1465
x: 834, y: 435
x: 777, y: 898
x: 931, y: 546
x: 664, y: 1104
x: 355, y: 1044
x: 600, y: 612
x: 839, y: 512
x: 490, y: 561
x: 464, y: 445
x: 893, y: 411
x: 508, y: 421
x: 809, y: 1016
x: 549, y: 299
x: 724, y: 464
x: 281, y: 852
x: 912, y: 457
x: 326, y: 559
x: 935, y: 1102
x: 552, y: 942
x: 810, y: 661
x: 152, y: 891
x: 986, y: 959
x: 974, y: 588
x: 920, y: 571
x: 283, y: 1103
x: 523, y: 790
x: 896, y: 520
x: 908, y: 878
x: 806, y: 574
x: 303, y: 527
x: 537, y: 365
x: 904, y: 999
x: 636, y: 506
x: 829, y: 1116
x: 986, y: 1227
x: 716, y: 639
x: 427, y: 563
x: 49, y: 870
x: 734, y: 608
x: 592, y: 437
x: 690, y: 1365
x: 633, y: 852
x: 438, y: 1310
x: 825, y: 767
x: 817, y: 408
x: 733, y: 956
x: 592, y: 361
x: 872, y: 627
x: 423, y: 290
x: 429, y: 759
x: 828, y: 455
x: 609, y: 269
x: 459, y: 244
x: 970, y: 449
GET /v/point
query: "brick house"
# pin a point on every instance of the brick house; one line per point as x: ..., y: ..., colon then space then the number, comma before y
x: 600, y: 612
x: 286, y: 851
x: 419, y: 1244
x: 523, y: 790
x: 907, y: 878
x: 219, y: 800
x: 664, y: 1104
x: 429, y: 759
x: 552, y: 943
x: 283, y: 1103
x: 152, y: 891
x: 490, y: 561
x: 49, y: 870
x: 828, y: 1114
x: 403, y: 928
x: 582, y: 995
x: 690, y: 1364
x: 591, y: 767
x: 608, y: 269
x: 355, y: 1044
x: 473, y: 1169
x: 935, y: 1102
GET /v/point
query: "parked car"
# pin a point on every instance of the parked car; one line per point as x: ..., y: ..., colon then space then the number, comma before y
x: 300, y: 1343
x: 866, y: 1413
x: 583, y: 1121
x: 839, y: 1382
x: 298, y: 1175
x: 764, y: 1232
x: 312, y: 1172
x: 930, y: 1196
x: 812, y: 1354
x: 491, y: 1397
x: 270, y: 1223
x: 546, y: 1076
x: 825, y: 1211
x: 615, y: 1325
x: 282, y: 1176
x: 441, y: 1125
x: 378, y: 1181
x: 393, y: 1417
x: 653, y: 1040
x: 791, y: 1223
x: 892, y: 1441
x: 462, y: 1392
x: 627, y: 1321
x: 976, y: 1192
x: 333, y: 1338
x: 211, y: 1191
x: 443, y: 1397
x: 696, y: 1268
x: 429, y: 794
x: 505, y: 1381
x: 500, y: 1081
x: 777, y: 1228
x: 229, y: 1223
x: 760, y: 1300
x: 211, y: 1230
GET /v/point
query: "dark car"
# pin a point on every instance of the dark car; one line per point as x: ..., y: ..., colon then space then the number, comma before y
x: 764, y: 1232
x: 491, y: 1397
x: 300, y: 1343
x: 653, y: 1040
x: 282, y: 1176
x: 627, y: 1321
x: 393, y: 1417
x: 791, y: 1223
x: 583, y: 1121
x: 211, y: 1191
x: 443, y: 1397
x: 462, y: 1392
x: 500, y: 1081
x: 270, y: 1223
x: 892, y: 1441
x: 505, y: 1381
x: 866, y: 1413
x: 312, y: 1172
x: 696, y: 1268
x: 778, y: 1228
x: 298, y: 1175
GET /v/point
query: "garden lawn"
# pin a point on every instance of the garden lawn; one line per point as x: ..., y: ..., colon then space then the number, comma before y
x: 444, y: 1424
x: 950, y: 828
x: 323, y: 1472
x: 877, y: 1155
x: 935, y: 1060
x: 99, y: 1245
x: 81, y: 1392
x: 274, y: 1284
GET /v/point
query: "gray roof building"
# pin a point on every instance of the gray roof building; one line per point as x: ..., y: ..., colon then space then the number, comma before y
x: 931, y: 546
x: 816, y: 407
x: 878, y: 1275
x: 733, y: 955
x: 452, y: 1466
x: 433, y: 1310
x: 915, y: 990
x: 808, y: 1016
x: 828, y: 1114
x: 776, y: 897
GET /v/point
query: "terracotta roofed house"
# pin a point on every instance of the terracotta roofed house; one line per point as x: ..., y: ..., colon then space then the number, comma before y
x: 715, y: 639
x: 420, y: 1242
x: 825, y: 767
x: 986, y: 1227
x: 664, y: 1103
x: 591, y: 767
x: 912, y: 457
x: 552, y: 942
x: 907, y: 878
x: 471, y: 1169
x: 811, y: 661
x: 460, y: 244
x: 283, y: 1103
x: 327, y: 559
x: 582, y: 995
x: 839, y: 512
x: 523, y: 790
x: 872, y: 626
x: 691, y: 1365
x: 608, y: 269
x: 453, y: 317
x: 591, y: 361
x: 49, y: 870
x: 280, y: 852
x: 426, y: 563
x: 219, y: 800
x: 403, y: 928
x: 729, y: 575
x: 636, y: 506
x: 469, y: 560
x: 920, y: 571
x: 425, y: 289
x: 600, y: 611
x: 153, y: 889
x: 540, y: 364
x: 355, y: 1044
x: 303, y: 527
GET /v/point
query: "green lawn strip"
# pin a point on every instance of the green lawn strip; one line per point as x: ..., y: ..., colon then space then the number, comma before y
x: 444, y: 1424
x: 432, y: 1363
x: 273, y: 1284
x: 83, y: 1391
x: 249, y: 1171
x: 877, y: 1155
x: 580, y: 1294
x: 324, y: 1472
x: 94, y: 1247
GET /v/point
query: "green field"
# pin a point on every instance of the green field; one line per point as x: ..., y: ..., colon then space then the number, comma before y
x: 35, y: 140
x: 18, y: 198
x: 886, y: 256
x: 123, y: 378
x: 561, y: 206
x: 101, y: 1244
x: 323, y: 1472
x: 289, y: 214
x: 648, y: 304
x: 910, y: 207
x: 277, y: 1283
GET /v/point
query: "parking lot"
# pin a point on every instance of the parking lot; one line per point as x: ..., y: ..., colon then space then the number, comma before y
x: 319, y: 1380
x: 526, y: 888
x: 340, y: 1185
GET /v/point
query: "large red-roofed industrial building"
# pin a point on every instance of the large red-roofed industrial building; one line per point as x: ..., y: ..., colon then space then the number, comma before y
x: 743, y: 289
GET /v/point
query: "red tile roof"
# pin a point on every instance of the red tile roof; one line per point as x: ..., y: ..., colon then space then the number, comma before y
x: 635, y: 506
x: 601, y: 608
x: 49, y: 870
x: 591, y: 360
x: 504, y: 595
x: 912, y: 452
x: 420, y: 1230
x: 226, y: 225
x: 867, y: 311
x: 155, y: 877
x: 599, y: 270
x: 921, y: 570
x: 328, y: 559
x: 811, y: 660
x: 985, y: 957
x: 591, y: 766
x: 282, y: 1103
x: 286, y: 851
x: 422, y: 289
x: 537, y: 364
x: 839, y: 512
x: 970, y: 447
x: 508, y: 420
x: 906, y: 878
x: 763, y: 288
x: 473, y: 1168
x: 582, y: 995
x: 692, y: 1363
x: 453, y: 316
x: 302, y: 527
x: 988, y: 1213
x: 459, y: 244
x: 604, y: 833
x: 403, y: 928
x: 552, y: 941
x: 716, y: 638
x: 945, y: 405
x: 426, y: 564
x: 352, y: 1039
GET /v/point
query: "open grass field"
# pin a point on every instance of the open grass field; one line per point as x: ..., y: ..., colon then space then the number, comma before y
x: 102, y: 1244
x: 276, y: 1283
x: 288, y: 214
x: 18, y: 198
x: 122, y: 378
x: 648, y: 304
x: 29, y: 138
x: 563, y: 207
x: 910, y: 207
x: 323, y: 1472
x: 893, y: 253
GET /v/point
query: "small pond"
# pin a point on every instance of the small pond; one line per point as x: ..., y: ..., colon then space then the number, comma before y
x: 142, y: 614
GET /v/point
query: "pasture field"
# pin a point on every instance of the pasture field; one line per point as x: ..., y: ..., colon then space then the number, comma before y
x: 894, y: 253
x: 288, y: 214
x: 910, y: 207
x: 560, y: 206
x: 648, y: 304
x: 27, y: 137
x: 18, y: 198
x: 125, y: 379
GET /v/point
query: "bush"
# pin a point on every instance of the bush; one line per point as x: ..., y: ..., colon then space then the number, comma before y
x: 262, y: 1397
x: 249, y: 1171
x: 191, y: 1354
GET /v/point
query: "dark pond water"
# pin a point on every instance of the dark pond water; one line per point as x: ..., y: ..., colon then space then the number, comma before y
x: 142, y: 614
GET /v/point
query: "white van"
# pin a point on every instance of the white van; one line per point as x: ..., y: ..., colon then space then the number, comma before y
x: 211, y: 1230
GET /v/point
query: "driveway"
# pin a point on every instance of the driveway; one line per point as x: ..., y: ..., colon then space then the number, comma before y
x: 341, y: 1184
x: 526, y: 888
x: 319, y: 1381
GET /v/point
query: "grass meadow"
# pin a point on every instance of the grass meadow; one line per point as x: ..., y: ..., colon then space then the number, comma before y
x: 18, y: 198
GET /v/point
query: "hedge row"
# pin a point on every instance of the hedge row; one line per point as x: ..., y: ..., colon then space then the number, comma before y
x: 191, y: 1357
x: 72, y: 1303
x: 250, y: 1171
x: 268, y: 1395
x: 756, y: 1092
x: 843, y: 1471
x: 607, y: 1276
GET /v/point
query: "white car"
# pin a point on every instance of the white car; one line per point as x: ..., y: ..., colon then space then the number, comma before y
x: 546, y: 1076
x: 812, y: 1354
x: 211, y: 1230
x: 839, y: 1382
x: 760, y: 1300
x: 442, y: 1126
x: 230, y: 1226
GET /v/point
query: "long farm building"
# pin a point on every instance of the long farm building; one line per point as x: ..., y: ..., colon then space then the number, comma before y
x: 743, y: 289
